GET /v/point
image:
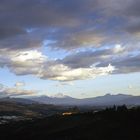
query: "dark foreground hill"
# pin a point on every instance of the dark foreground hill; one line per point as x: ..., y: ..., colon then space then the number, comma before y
x: 110, y: 124
x: 12, y: 108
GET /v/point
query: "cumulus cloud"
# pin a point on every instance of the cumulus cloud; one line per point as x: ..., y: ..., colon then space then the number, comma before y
x: 61, y: 72
x: 35, y: 63
x: 19, y: 84
x: 78, y: 66
x: 18, y: 92
x: 15, y: 91
x: 23, y: 62
x: 24, y: 56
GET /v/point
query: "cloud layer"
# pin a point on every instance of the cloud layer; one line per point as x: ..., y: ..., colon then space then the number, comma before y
x: 69, y: 24
x: 35, y: 63
x: 15, y: 91
x: 95, y: 33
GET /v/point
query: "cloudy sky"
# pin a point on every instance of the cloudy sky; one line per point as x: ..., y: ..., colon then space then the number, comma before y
x: 80, y: 48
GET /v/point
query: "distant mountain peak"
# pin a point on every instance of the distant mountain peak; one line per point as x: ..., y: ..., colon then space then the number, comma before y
x: 60, y: 95
x: 108, y: 94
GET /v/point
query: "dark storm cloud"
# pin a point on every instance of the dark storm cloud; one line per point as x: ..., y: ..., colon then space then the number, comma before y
x: 88, y: 58
x: 79, y: 23
x: 38, y: 13
x: 109, y: 22
x: 6, y: 32
x: 17, y: 16
x: 127, y: 64
x: 133, y: 8
x: 134, y: 27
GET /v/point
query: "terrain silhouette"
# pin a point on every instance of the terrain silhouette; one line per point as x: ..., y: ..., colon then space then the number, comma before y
x: 115, y: 123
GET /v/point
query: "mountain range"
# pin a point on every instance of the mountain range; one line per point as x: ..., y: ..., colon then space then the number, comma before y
x: 105, y: 100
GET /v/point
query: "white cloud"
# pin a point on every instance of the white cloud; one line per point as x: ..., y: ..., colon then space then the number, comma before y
x: 19, y: 84
x: 16, y: 91
x: 73, y: 67
x: 24, y: 56
x: 118, y: 49
x: 35, y: 63
x: 26, y: 62
x: 61, y: 72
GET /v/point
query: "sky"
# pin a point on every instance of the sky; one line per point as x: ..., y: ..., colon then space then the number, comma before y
x: 79, y: 48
